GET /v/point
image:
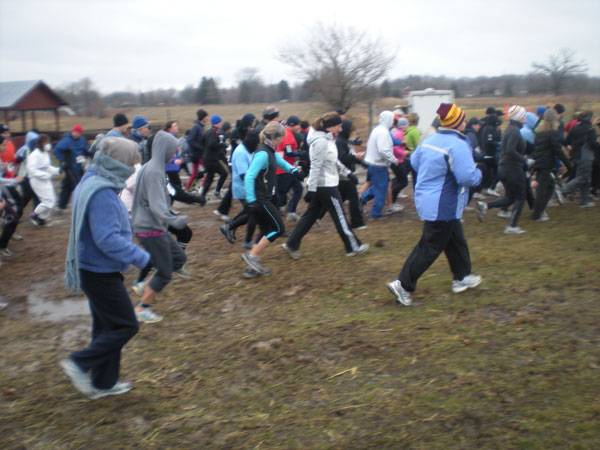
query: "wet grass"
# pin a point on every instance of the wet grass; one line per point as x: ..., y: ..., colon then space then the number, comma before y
x: 318, y: 355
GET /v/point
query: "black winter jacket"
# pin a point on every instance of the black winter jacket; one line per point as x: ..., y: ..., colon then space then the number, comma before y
x: 513, y: 146
x: 546, y: 148
x: 195, y: 140
x: 214, y: 149
x: 581, y: 134
x: 343, y: 146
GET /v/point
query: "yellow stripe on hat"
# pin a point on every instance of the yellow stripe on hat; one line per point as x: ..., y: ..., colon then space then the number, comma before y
x: 454, y: 117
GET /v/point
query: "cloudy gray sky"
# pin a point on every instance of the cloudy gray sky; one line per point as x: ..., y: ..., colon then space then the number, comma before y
x: 146, y: 44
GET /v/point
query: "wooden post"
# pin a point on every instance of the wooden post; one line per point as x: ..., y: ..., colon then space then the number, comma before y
x: 23, y: 123
x: 7, y: 117
x: 57, y: 118
x: 33, y: 119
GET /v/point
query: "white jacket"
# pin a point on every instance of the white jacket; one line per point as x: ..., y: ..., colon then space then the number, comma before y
x: 325, y: 168
x: 380, y: 146
x: 39, y: 166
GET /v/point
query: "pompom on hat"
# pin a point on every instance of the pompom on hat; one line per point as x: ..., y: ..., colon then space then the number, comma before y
x: 451, y: 116
x: 516, y: 113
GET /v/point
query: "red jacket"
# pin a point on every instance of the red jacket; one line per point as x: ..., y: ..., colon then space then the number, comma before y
x: 288, y: 141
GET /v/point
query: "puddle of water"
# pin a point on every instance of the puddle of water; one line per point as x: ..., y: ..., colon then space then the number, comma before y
x: 39, y: 308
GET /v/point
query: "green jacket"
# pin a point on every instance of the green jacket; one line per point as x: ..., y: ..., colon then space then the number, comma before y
x: 411, y: 139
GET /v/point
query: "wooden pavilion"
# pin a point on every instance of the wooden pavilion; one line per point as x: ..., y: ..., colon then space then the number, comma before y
x: 32, y: 95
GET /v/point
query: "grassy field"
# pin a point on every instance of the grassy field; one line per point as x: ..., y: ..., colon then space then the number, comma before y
x: 317, y: 355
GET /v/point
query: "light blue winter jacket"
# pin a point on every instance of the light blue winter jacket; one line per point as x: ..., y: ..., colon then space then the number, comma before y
x: 527, y: 131
x: 240, y: 162
x: 445, y: 170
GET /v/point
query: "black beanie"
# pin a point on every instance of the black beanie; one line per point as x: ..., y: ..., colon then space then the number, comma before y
x: 120, y: 119
x: 559, y: 108
x: 201, y: 114
x: 251, y: 140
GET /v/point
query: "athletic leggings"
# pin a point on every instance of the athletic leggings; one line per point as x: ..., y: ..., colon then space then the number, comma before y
x: 195, y: 165
x: 269, y: 221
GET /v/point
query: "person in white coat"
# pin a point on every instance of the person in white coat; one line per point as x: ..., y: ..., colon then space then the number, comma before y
x: 40, y: 171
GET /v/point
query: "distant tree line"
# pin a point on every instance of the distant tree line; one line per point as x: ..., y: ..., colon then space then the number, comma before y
x: 340, y: 76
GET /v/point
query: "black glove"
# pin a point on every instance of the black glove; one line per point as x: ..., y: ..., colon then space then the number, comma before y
x: 299, y: 175
x: 353, y: 178
x: 255, y: 206
x: 309, y: 197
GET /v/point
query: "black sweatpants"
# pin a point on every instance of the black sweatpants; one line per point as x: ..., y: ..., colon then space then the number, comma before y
x: 167, y: 256
x: 515, y: 191
x: 400, y: 180
x: 325, y: 198
x: 244, y: 217
x: 211, y: 168
x: 68, y: 184
x: 113, y: 325
x: 438, y: 237
x: 544, y: 192
x: 11, y: 220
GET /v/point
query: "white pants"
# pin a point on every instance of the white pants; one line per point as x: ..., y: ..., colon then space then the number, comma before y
x: 44, y: 189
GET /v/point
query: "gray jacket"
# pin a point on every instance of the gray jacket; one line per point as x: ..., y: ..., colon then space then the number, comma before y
x: 324, y: 165
x: 150, y: 209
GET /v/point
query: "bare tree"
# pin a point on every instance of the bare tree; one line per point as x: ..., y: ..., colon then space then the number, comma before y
x: 559, y: 68
x: 342, y: 64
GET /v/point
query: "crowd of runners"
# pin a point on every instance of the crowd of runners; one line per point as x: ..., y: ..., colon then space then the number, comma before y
x: 122, y: 189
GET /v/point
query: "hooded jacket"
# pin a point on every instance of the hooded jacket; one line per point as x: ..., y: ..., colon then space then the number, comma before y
x: 195, y: 140
x: 380, y: 145
x: 25, y: 151
x: 527, y: 131
x: 445, y: 170
x: 489, y: 136
x: 150, y: 210
x: 324, y: 165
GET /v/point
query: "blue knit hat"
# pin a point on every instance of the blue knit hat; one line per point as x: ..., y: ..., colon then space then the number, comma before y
x: 540, y: 111
x: 215, y: 119
x: 139, y: 122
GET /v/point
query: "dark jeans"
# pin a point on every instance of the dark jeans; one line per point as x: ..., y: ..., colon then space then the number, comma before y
x: 283, y: 183
x: 330, y: 199
x: 68, y: 183
x: 380, y: 179
x: 113, y: 325
x: 438, y: 237
x: 544, y: 192
x: 583, y: 175
x: 515, y: 190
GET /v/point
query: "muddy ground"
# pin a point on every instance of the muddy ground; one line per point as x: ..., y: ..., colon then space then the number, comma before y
x: 317, y: 355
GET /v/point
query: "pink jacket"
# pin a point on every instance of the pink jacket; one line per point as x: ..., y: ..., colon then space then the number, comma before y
x: 399, y: 150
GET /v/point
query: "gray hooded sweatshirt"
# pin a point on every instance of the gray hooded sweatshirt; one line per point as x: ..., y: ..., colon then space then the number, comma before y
x: 150, y: 209
x: 380, y: 145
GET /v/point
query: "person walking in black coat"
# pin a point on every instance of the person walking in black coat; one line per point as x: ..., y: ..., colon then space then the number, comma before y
x: 546, y: 149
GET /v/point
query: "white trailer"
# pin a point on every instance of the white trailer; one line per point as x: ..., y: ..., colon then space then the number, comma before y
x: 425, y: 104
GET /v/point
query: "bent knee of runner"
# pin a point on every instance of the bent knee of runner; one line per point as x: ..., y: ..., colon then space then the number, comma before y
x: 160, y: 280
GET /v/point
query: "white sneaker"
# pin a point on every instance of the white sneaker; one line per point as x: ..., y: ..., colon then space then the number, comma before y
x: 470, y: 281
x: 492, y: 192
x: 294, y: 254
x: 513, y: 230
x: 117, y: 389
x: 139, y: 287
x: 503, y: 214
x: 293, y: 217
x: 146, y: 315
x: 359, y: 251
x: 588, y: 205
x: 478, y: 196
x: 482, y: 208
x: 223, y: 217
x: 396, y: 207
x: 401, y: 294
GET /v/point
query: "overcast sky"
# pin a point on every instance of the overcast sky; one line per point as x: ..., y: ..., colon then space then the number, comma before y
x: 139, y: 45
